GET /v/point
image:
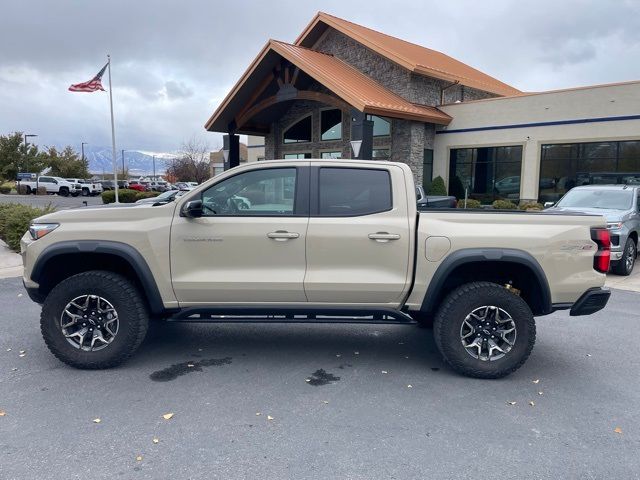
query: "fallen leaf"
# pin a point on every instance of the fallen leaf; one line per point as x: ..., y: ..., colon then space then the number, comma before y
x: 325, y: 401
x: 617, y: 430
x: 338, y: 355
x: 167, y: 416
x: 258, y: 414
x: 409, y: 386
x: 269, y: 417
x: 190, y: 365
x: 511, y: 403
x: 356, y: 353
x: 14, y: 369
x: 155, y: 440
x: 96, y: 420
x: 307, y: 380
x: 532, y: 403
x: 540, y: 393
x: 2, y: 413
x: 8, y: 349
x: 19, y: 294
x: 588, y: 354
x: 22, y: 351
x: 22, y: 355
x: 537, y: 380
x: 139, y: 458
x: 384, y: 371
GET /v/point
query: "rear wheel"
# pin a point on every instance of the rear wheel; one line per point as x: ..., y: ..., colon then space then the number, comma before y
x: 93, y: 320
x: 625, y: 265
x: 484, y: 331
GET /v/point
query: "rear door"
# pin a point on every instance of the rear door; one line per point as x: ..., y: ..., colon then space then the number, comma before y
x: 359, y: 236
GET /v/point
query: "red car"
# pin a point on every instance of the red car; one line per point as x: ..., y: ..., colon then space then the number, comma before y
x: 137, y: 186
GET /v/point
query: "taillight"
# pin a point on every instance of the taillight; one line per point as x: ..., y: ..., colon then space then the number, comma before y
x: 603, y: 256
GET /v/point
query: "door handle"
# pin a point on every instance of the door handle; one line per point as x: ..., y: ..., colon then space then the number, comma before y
x: 384, y: 237
x: 282, y: 235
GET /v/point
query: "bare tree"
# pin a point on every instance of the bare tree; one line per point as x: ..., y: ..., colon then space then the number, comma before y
x: 192, y: 163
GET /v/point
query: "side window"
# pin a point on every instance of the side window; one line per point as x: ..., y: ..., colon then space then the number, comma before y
x: 353, y: 191
x: 268, y: 192
x: 44, y: 180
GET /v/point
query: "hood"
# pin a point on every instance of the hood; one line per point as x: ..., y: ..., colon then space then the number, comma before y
x: 610, y: 214
x: 110, y: 212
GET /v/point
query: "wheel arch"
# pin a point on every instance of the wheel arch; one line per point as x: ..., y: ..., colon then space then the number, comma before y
x: 64, y: 259
x: 497, y: 265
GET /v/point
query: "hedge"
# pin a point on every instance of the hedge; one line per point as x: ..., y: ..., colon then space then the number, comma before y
x: 531, y: 206
x: 5, y: 189
x: 15, y: 219
x: 504, y: 205
x: 437, y: 187
x: 126, y: 195
x: 471, y: 203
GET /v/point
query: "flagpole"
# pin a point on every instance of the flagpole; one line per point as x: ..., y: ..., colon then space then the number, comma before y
x: 113, y: 133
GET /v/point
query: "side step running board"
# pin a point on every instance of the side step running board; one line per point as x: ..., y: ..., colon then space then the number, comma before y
x: 267, y: 314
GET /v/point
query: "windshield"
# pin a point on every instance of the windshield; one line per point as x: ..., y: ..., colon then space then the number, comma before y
x: 166, y: 195
x: 605, y: 199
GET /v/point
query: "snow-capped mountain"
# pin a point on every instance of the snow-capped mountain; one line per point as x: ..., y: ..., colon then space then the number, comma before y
x: 135, y: 161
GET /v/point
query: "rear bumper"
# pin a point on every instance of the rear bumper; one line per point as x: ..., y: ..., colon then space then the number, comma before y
x: 590, y: 302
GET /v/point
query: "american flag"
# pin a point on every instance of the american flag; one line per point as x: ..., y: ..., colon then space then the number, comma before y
x: 92, y: 85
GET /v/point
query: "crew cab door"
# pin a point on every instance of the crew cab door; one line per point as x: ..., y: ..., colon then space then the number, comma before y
x: 359, y: 244
x: 249, y: 244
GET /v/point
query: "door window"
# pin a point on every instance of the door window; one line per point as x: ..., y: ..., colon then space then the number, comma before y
x: 268, y: 192
x: 353, y: 191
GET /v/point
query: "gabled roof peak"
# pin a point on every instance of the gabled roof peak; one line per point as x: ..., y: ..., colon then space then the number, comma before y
x: 416, y: 58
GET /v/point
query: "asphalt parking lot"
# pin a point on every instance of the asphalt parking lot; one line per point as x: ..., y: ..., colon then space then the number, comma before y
x: 55, y: 200
x: 351, y: 420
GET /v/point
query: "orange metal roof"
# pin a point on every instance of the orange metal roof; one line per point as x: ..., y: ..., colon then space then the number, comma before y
x: 343, y: 80
x: 413, y: 57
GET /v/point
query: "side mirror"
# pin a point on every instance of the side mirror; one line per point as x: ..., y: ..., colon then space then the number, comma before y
x: 548, y: 204
x: 193, y: 209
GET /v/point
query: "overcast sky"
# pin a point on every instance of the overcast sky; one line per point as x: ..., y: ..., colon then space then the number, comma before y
x: 174, y: 61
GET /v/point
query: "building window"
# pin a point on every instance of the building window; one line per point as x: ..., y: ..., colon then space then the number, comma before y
x: 332, y: 155
x: 489, y: 173
x: 565, y: 165
x: 296, y: 156
x: 331, y: 124
x: 427, y: 168
x: 381, y: 126
x: 299, y: 132
x: 381, y: 154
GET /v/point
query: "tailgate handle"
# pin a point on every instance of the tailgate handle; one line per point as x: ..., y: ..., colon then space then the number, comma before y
x: 282, y: 235
x: 384, y: 237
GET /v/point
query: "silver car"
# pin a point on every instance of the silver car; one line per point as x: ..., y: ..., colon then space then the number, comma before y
x: 620, y: 204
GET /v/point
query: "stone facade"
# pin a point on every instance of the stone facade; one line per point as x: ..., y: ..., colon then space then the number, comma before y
x: 408, y: 139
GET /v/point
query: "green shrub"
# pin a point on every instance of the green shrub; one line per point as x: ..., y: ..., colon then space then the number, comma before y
x: 504, y: 205
x: 124, y: 196
x: 531, y: 206
x: 471, y: 203
x: 141, y: 195
x: 14, y: 221
x: 5, y: 189
x: 437, y: 187
x: 456, y: 187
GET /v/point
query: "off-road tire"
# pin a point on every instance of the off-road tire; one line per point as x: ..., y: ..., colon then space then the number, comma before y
x: 460, y: 303
x: 63, y: 192
x: 621, y: 267
x: 125, y: 298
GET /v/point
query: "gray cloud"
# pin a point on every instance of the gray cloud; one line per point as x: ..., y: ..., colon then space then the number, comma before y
x: 174, y: 61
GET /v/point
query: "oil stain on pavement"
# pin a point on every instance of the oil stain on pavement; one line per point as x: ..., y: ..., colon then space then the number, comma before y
x: 178, y: 369
x: 320, y: 377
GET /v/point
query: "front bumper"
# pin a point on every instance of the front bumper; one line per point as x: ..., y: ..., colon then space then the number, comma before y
x: 590, y: 302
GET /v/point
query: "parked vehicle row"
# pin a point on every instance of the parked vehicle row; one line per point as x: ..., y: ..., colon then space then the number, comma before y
x: 53, y: 185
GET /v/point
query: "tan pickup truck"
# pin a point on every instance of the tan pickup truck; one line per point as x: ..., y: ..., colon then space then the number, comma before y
x: 312, y: 241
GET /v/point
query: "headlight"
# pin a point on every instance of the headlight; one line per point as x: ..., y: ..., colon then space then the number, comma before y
x: 614, y: 225
x: 39, y: 230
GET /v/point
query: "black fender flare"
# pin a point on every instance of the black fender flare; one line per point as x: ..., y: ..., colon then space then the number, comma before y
x: 129, y: 254
x: 475, y: 255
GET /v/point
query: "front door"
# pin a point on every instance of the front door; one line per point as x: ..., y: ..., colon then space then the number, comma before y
x: 359, y: 236
x: 249, y: 245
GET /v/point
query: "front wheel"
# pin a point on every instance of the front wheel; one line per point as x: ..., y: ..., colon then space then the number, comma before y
x: 484, y: 331
x: 94, y: 320
x: 625, y: 265
x: 64, y: 192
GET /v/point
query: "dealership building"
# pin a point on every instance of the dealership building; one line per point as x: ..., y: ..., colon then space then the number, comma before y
x: 342, y: 90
